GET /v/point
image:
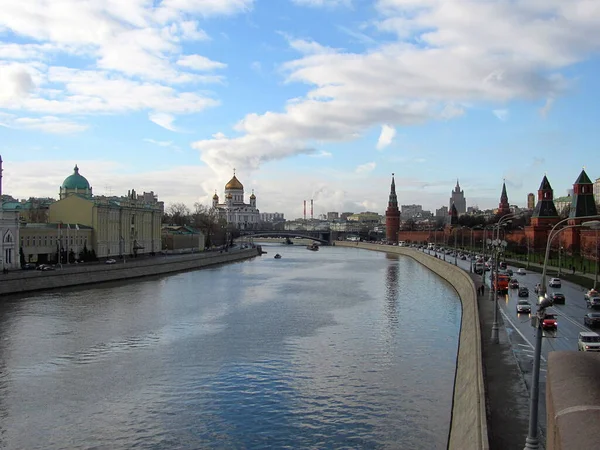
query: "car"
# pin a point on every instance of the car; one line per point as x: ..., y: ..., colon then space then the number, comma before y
x: 592, y: 319
x: 523, y: 306
x: 592, y: 302
x: 523, y: 291
x: 558, y: 297
x: 514, y: 283
x: 110, y: 261
x: 503, y: 265
x: 549, y: 321
x: 588, y: 341
x: 509, y: 272
x: 591, y: 293
x: 28, y: 266
x: 521, y: 271
x: 555, y: 282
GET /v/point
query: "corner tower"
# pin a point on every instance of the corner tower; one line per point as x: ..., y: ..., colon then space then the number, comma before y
x: 392, y: 215
x: 543, y: 219
x: 582, y: 205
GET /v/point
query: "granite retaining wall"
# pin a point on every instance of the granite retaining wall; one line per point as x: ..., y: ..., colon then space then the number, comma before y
x: 34, y: 280
x: 468, y: 426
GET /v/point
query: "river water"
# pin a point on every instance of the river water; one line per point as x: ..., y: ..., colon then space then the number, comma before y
x: 340, y: 349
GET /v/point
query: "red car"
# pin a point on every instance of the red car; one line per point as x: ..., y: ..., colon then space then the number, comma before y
x: 549, y: 321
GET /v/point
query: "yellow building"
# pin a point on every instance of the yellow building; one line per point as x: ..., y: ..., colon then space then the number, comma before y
x: 128, y: 225
x: 41, y: 242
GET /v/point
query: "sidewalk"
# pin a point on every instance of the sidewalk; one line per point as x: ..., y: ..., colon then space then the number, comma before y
x: 507, y: 397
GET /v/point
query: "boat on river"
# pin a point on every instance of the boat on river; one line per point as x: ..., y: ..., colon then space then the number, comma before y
x: 277, y: 256
x: 314, y: 247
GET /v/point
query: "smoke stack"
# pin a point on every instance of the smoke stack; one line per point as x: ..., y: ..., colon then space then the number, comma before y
x: 311, y: 209
x: 304, y: 209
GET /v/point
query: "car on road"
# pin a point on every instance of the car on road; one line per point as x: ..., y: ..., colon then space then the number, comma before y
x: 592, y: 302
x: 588, y: 341
x: 558, y: 297
x: 509, y: 272
x: 549, y: 321
x: 503, y: 265
x: 555, y: 282
x: 514, y: 283
x: 591, y: 293
x: 110, y: 261
x: 523, y: 307
x: 523, y: 291
x: 28, y: 266
x: 521, y: 271
x: 592, y: 319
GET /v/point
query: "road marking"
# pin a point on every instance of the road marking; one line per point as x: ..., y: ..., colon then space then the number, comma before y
x: 519, y: 331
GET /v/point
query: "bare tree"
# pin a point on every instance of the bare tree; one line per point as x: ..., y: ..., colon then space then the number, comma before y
x: 207, y: 220
x: 178, y: 213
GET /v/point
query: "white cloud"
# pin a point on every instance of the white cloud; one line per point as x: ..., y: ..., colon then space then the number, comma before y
x: 321, y: 154
x: 47, y: 124
x: 322, y: 3
x: 501, y: 114
x: 163, y: 120
x: 199, y: 62
x: 365, y: 168
x: 132, y: 51
x: 447, y: 57
x: 386, y: 136
x: 544, y: 110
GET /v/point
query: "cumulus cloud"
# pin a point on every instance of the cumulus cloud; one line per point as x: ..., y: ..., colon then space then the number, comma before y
x: 132, y: 51
x: 386, y: 136
x: 163, y: 120
x: 439, y: 59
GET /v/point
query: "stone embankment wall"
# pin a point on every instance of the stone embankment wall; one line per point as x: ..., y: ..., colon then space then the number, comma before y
x: 468, y: 427
x: 34, y: 280
x: 572, y: 400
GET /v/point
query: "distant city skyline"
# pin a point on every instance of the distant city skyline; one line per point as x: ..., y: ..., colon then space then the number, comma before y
x: 307, y: 99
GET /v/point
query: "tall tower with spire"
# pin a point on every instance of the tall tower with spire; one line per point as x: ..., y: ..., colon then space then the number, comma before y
x: 543, y: 219
x: 503, y: 206
x: 392, y: 215
x: 582, y: 205
x: 457, y: 198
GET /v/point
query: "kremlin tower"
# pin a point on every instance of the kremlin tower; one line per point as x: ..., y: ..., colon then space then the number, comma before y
x: 503, y: 207
x: 392, y: 215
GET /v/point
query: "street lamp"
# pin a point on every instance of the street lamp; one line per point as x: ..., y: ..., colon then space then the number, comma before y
x: 496, y: 247
x: 532, y: 441
x: 455, y: 251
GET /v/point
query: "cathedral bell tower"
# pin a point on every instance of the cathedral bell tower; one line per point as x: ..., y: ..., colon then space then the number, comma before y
x: 392, y: 215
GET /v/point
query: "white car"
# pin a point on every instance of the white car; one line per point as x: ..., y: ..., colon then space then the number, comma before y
x: 588, y: 342
x: 521, y: 271
x: 555, y: 282
x: 110, y: 261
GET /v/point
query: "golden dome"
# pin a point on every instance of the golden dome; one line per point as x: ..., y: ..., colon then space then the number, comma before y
x: 234, y: 183
x: 252, y: 196
x: 215, y: 197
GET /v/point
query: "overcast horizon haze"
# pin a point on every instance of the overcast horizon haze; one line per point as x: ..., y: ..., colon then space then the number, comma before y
x: 305, y: 99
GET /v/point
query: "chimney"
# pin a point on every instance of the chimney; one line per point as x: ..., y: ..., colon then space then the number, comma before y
x: 304, y: 209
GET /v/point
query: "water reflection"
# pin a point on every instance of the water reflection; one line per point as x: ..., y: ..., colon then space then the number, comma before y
x: 317, y: 350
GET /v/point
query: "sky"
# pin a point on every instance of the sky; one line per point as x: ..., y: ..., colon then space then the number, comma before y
x: 305, y: 99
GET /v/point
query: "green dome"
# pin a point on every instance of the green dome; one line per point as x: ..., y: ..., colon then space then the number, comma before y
x: 76, y: 181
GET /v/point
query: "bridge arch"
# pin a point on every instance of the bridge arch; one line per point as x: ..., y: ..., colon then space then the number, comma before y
x: 323, y: 237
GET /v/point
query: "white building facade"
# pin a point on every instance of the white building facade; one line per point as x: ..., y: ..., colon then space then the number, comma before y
x: 9, y: 233
x: 244, y: 216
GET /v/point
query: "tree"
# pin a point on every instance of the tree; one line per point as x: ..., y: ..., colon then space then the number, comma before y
x: 178, y: 214
x: 207, y: 220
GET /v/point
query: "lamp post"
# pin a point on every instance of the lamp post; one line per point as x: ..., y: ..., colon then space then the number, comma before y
x: 455, y: 251
x: 532, y: 441
x: 560, y: 249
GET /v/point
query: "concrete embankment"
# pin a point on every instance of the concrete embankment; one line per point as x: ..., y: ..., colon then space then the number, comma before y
x: 468, y: 427
x: 27, y: 281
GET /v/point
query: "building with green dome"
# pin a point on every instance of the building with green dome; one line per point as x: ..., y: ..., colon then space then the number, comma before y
x: 75, y: 184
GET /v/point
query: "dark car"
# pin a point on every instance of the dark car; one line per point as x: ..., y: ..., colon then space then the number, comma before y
x: 557, y: 297
x: 592, y: 320
x: 28, y: 266
x: 523, y: 292
x: 549, y: 321
x: 514, y: 283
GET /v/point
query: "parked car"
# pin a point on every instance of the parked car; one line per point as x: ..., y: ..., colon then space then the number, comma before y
x: 523, y: 307
x: 558, y: 297
x: 592, y: 302
x: 514, y: 283
x: 588, y: 341
x: 521, y: 271
x: 523, y: 292
x: 28, y: 266
x: 549, y: 321
x: 110, y: 261
x: 592, y: 319
x: 555, y: 282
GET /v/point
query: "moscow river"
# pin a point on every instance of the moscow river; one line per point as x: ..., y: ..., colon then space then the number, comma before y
x: 336, y: 349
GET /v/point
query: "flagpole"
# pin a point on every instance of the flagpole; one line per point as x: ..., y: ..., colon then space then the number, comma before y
x: 67, y: 249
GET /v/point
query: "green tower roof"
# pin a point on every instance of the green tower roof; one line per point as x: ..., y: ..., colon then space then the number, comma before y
x: 75, y: 181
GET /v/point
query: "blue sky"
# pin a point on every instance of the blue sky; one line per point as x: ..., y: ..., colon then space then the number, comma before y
x: 319, y: 99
